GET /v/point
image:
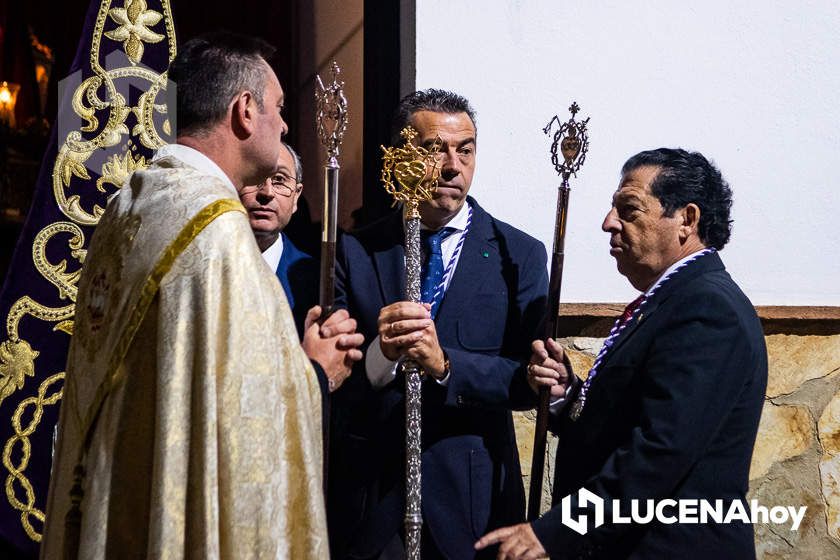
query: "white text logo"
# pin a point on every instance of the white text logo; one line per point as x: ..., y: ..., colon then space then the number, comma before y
x: 686, y: 510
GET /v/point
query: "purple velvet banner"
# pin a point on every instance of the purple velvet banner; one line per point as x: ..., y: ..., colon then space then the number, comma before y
x: 112, y: 115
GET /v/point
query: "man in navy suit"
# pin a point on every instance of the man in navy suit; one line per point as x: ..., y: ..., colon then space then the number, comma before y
x: 670, y: 408
x: 270, y: 206
x: 472, y: 339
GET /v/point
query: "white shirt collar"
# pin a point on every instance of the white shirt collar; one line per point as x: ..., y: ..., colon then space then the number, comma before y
x: 670, y: 269
x: 458, y: 222
x: 197, y: 160
x: 273, y: 254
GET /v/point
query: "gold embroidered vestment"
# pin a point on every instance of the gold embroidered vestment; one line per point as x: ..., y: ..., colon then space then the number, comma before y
x: 208, y: 443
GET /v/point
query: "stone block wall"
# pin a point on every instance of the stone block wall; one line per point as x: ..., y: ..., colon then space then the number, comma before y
x: 796, y: 460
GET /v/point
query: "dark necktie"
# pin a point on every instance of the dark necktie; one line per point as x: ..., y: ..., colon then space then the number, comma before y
x: 631, y: 307
x: 433, y: 266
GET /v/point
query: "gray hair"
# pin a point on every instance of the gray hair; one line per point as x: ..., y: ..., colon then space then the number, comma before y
x: 298, y: 162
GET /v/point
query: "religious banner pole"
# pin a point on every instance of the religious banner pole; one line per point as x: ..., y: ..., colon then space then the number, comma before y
x: 416, y: 172
x: 573, y: 141
x: 331, y: 120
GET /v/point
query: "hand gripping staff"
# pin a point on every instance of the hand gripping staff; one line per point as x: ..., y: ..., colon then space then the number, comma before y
x: 416, y: 172
x: 572, y: 139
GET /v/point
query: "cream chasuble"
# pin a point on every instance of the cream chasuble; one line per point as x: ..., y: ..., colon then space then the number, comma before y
x: 208, y: 440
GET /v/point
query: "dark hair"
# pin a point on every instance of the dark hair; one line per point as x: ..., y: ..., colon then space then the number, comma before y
x: 437, y: 100
x: 686, y: 177
x: 212, y: 69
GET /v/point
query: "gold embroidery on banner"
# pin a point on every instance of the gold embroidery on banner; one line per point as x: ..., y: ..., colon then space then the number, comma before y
x: 17, y: 361
x: 105, y: 11
x: 133, y: 30
x: 27, y: 508
x: 17, y: 358
x: 28, y: 306
x: 145, y: 129
x: 56, y: 274
x: 65, y: 327
x: 117, y: 169
x: 96, y: 95
x: 73, y: 155
x: 71, y: 163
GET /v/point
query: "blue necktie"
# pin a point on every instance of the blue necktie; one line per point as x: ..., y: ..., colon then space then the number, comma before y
x: 433, y: 266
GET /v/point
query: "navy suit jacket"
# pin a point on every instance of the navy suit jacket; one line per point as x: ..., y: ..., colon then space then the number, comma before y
x: 470, y: 464
x: 673, y: 413
x: 299, y: 275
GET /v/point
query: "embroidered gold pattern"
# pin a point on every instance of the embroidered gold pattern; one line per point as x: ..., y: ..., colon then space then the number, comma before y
x: 101, y: 93
x: 17, y: 358
x: 146, y: 108
x: 56, y: 274
x: 95, y: 101
x: 147, y: 293
x: 104, y: 288
x: 118, y: 168
x: 28, y: 306
x: 133, y: 30
x: 17, y: 361
x: 27, y: 506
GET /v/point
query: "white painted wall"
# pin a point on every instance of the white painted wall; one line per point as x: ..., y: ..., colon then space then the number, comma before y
x: 753, y: 85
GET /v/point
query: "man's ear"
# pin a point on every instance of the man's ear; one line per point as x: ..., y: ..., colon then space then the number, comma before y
x: 690, y: 220
x: 243, y: 112
x: 297, y: 197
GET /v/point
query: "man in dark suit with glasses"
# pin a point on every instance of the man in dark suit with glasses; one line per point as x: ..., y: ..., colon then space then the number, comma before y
x: 270, y: 206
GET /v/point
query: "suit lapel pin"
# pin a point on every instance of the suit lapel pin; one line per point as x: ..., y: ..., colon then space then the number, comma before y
x: 485, y: 254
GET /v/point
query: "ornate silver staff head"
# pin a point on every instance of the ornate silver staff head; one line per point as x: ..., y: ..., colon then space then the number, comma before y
x: 573, y: 140
x: 331, y: 114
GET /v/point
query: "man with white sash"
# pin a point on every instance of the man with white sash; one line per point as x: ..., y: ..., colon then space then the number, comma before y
x: 484, y: 286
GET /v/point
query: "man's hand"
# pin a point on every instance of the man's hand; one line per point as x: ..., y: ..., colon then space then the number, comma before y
x: 549, y: 367
x: 407, y: 329
x: 339, y: 322
x: 518, y: 542
x: 334, y: 344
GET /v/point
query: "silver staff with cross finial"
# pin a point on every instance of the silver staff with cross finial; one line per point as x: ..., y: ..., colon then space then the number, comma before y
x: 572, y: 139
x: 416, y: 171
x: 331, y: 120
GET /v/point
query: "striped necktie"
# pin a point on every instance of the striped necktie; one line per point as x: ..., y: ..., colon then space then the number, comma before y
x: 631, y: 307
x: 433, y: 265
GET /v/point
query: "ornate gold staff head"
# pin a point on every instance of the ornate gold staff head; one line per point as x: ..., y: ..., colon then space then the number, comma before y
x: 573, y: 141
x: 416, y: 170
x: 331, y: 114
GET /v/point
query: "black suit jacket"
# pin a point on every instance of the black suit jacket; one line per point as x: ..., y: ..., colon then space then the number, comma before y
x: 673, y: 413
x: 470, y: 464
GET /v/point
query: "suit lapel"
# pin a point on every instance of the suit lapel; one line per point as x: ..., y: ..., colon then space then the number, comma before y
x: 648, y: 310
x: 473, y: 266
x: 704, y: 264
x: 479, y: 257
x: 389, y: 260
x: 282, y: 271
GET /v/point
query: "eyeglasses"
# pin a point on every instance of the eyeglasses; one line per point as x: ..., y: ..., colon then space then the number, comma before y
x: 281, y: 184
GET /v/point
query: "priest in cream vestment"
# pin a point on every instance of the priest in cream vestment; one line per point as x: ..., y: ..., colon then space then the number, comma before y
x: 189, y: 401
